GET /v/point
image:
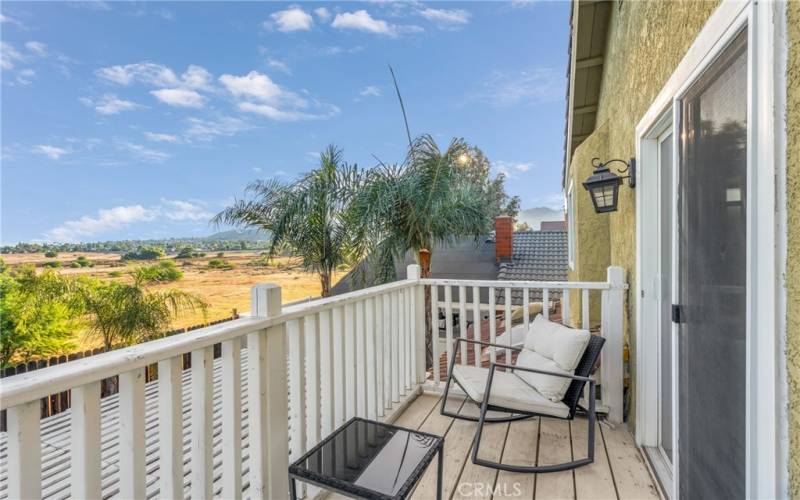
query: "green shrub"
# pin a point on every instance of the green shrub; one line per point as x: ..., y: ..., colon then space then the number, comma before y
x: 220, y: 254
x: 82, y: 261
x: 144, y: 253
x: 75, y: 265
x: 115, y: 274
x: 223, y: 265
x: 51, y: 254
x: 163, y: 272
x: 187, y: 253
x: 52, y: 264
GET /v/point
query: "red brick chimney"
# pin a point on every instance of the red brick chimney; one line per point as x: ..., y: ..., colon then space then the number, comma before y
x: 503, y: 236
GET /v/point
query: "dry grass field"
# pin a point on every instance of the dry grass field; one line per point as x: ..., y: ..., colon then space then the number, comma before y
x: 223, y: 290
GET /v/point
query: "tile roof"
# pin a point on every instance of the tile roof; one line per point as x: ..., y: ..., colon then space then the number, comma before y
x: 538, y: 256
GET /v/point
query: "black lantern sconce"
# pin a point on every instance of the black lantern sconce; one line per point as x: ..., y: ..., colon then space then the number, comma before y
x: 603, y: 185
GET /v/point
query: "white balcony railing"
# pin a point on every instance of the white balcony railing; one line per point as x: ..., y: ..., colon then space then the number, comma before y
x: 228, y: 425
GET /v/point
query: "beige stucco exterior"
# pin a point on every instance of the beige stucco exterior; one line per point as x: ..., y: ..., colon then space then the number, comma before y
x: 646, y: 41
x: 793, y: 245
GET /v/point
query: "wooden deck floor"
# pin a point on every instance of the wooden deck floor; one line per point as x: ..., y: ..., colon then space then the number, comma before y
x: 619, y: 470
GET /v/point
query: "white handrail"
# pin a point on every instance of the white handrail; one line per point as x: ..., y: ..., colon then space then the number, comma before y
x: 33, y: 385
x: 571, y: 285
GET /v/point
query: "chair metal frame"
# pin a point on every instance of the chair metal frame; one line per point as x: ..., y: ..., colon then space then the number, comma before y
x: 517, y: 414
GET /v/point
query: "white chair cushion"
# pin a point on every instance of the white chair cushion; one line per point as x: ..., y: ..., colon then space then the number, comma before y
x: 555, y: 348
x: 508, y: 391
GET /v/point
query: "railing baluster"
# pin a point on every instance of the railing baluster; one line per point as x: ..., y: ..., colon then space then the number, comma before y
x: 462, y: 320
x: 349, y: 361
x: 448, y: 322
x: 380, y: 390
x: 415, y: 272
x: 492, y: 324
x: 312, y: 380
x: 395, y: 348
x: 131, y: 434
x: 546, y: 303
x: 360, y: 380
x: 170, y: 428
x: 231, y: 389
x: 369, y: 332
x: 565, y: 312
x: 526, y: 308
x: 85, y: 446
x: 386, y: 331
x: 24, y: 459
x: 339, y: 390
x: 476, y: 325
x: 507, y: 322
x: 202, y: 423
x: 435, y: 332
x: 585, y: 309
x: 409, y: 338
x: 326, y: 373
x: 297, y: 389
x: 402, y: 364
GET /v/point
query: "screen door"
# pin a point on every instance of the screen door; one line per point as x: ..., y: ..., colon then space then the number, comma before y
x: 711, y: 270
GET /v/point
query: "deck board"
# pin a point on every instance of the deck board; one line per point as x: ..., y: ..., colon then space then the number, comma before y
x: 618, y: 471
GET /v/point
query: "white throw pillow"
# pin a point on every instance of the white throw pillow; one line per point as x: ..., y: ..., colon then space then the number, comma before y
x: 551, y: 347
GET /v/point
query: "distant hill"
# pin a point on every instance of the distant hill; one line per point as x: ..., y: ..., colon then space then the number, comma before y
x: 239, y: 235
x: 535, y: 216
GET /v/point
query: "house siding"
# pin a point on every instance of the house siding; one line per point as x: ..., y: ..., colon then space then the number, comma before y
x: 793, y: 245
x: 646, y: 42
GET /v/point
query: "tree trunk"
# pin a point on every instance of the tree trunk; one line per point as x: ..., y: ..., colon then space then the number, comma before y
x: 424, y: 259
x: 325, y: 281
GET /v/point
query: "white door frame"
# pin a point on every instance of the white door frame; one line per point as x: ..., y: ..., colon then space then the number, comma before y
x: 766, y: 403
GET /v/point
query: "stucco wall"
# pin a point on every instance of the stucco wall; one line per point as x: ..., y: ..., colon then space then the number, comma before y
x: 646, y: 41
x: 793, y: 253
x: 592, y: 244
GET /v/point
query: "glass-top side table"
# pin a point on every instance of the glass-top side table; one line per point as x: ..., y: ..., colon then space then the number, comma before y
x: 368, y: 459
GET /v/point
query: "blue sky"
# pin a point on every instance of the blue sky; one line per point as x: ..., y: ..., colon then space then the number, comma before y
x: 140, y: 120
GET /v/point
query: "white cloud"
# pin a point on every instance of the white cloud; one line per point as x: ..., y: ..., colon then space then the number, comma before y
x: 143, y: 72
x: 24, y: 77
x: 107, y: 219
x: 335, y: 50
x: 52, y: 152
x: 37, y: 48
x: 322, y: 13
x: 362, y: 21
x: 9, y: 56
x: 109, y: 104
x: 180, y: 98
x: 144, y: 153
x: 285, y: 115
x: 292, y: 19
x: 446, y: 17
x: 183, y: 210
x: 252, y: 85
x: 11, y: 20
x: 279, y: 65
x: 504, y: 89
x: 206, y: 130
x: 511, y: 168
x: 371, y: 90
x: 157, y: 137
x: 197, y: 77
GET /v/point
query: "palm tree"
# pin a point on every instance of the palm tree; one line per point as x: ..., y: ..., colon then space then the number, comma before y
x: 128, y: 313
x: 425, y: 203
x: 307, y: 217
x: 428, y: 201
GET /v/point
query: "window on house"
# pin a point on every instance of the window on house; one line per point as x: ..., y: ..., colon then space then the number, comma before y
x: 571, y: 228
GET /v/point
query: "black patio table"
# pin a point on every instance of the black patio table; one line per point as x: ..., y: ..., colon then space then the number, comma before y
x: 368, y: 459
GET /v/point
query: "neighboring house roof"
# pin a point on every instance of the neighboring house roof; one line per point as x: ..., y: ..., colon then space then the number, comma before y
x: 553, y: 225
x: 466, y: 258
x: 537, y: 256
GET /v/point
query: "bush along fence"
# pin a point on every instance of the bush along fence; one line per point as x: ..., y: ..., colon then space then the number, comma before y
x: 57, y: 403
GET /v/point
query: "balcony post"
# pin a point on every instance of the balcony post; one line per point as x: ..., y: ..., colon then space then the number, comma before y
x: 414, y: 272
x: 268, y: 400
x: 612, y: 329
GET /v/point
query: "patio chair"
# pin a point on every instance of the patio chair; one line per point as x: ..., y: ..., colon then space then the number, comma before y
x: 531, y: 386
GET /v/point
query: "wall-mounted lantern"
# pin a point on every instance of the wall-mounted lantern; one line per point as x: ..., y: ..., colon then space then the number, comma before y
x: 603, y: 185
